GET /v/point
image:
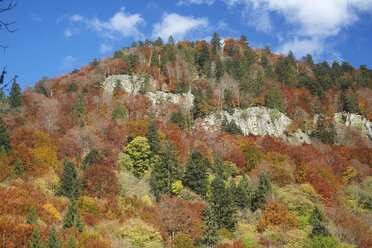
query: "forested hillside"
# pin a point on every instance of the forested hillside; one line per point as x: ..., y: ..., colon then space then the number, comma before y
x: 194, y: 144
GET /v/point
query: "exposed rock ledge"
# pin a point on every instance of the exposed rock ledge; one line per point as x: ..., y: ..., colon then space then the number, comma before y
x: 259, y: 121
x: 356, y: 121
x: 132, y: 84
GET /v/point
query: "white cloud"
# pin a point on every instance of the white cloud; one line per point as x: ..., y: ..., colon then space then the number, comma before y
x: 189, y: 2
x: 105, y: 48
x: 68, y: 32
x: 309, y: 22
x: 76, y: 18
x: 178, y: 26
x: 301, y: 47
x: 68, y: 63
x: 120, y: 25
x: 36, y: 18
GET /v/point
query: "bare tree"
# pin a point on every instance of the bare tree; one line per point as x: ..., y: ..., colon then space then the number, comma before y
x: 10, y: 5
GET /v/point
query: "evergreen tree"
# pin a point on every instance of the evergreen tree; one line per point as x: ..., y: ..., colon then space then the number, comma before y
x: 15, y: 96
x: 219, y: 70
x: 155, y: 59
x: 32, y: 216
x: 179, y: 119
x: 205, y: 60
x: 119, y: 112
x: 228, y: 100
x: 72, y: 87
x: 196, y: 174
x: 210, y: 227
x: 273, y: 98
x: 78, y: 108
x: 159, y: 42
x: 317, y: 214
x: 319, y: 230
x: 72, y: 217
x: 166, y: 171
x: 244, y: 39
x: 18, y: 167
x: 70, y: 184
x: 351, y: 104
x: 5, y: 146
x: 259, y: 195
x: 242, y: 194
x: 231, y: 127
x: 72, y: 242
x: 94, y: 156
x: 35, y: 241
x: 308, y: 60
x: 222, y: 204
x: 216, y: 43
x: 153, y: 138
x: 54, y: 241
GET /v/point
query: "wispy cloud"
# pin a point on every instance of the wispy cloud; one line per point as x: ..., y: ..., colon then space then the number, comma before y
x: 36, y: 18
x: 189, y: 2
x: 309, y: 23
x: 120, y: 25
x: 178, y: 26
x: 69, y: 63
x: 105, y: 48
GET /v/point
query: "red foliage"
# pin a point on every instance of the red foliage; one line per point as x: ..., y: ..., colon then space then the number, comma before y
x: 100, y: 181
x: 14, y: 235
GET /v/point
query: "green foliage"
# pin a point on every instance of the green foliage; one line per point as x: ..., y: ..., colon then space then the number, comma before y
x: 72, y: 87
x: 15, y: 95
x: 177, y: 187
x: 72, y: 242
x: 231, y: 127
x: 70, y: 184
x: 92, y: 157
x: 118, y: 54
x: 205, y: 60
x: 216, y: 43
x: 32, y: 216
x: 196, y: 173
x: 222, y: 204
x: 155, y: 59
x: 259, y: 195
x: 219, y: 69
x: 72, y: 217
x: 228, y: 101
x: 319, y: 230
x: 78, y: 108
x: 5, y: 145
x: 351, y: 104
x: 224, y: 169
x: 153, y: 138
x: 53, y: 240
x: 140, y: 154
x: 119, y: 112
x: 40, y: 87
x: 94, y: 63
x: 321, y: 242
x: 253, y: 157
x: 35, y: 241
x: 210, y: 227
x: 18, y: 167
x: 145, y: 85
x: 242, y: 193
x: 317, y: 215
x: 324, y: 133
x: 166, y: 171
x: 273, y: 98
x: 179, y: 119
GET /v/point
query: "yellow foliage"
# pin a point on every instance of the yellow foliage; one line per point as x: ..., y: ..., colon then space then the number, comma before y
x: 42, y: 139
x: 48, y: 183
x: 47, y: 157
x: 52, y: 210
x: 90, y: 206
x: 350, y: 174
x: 139, y: 232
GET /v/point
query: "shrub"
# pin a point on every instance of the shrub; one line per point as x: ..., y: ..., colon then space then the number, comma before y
x: 139, y: 232
x: 321, y: 242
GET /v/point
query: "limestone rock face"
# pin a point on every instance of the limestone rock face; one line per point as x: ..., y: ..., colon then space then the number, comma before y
x: 132, y: 85
x: 356, y: 121
x: 260, y: 121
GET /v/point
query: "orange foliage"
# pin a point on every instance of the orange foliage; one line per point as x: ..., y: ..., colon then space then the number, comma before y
x: 276, y: 214
x: 14, y: 235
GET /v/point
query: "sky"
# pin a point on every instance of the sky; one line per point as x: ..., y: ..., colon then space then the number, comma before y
x: 54, y: 37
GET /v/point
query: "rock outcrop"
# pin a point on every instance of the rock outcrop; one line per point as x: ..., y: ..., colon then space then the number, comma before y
x: 357, y: 121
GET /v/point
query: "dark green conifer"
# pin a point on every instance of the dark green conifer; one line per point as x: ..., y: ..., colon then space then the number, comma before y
x: 155, y: 59
x: 216, y: 43
x: 94, y: 156
x: 259, y: 195
x: 196, y: 174
x: 15, y: 96
x: 219, y: 70
x: 179, y: 119
x: 72, y: 242
x: 5, y: 146
x: 32, y: 216
x: 153, y: 138
x: 72, y: 87
x: 70, y: 184
x: 319, y: 229
x: 317, y: 214
x: 72, y: 217
x: 35, y: 241
x: 54, y: 241
x: 222, y: 204
x: 210, y: 227
x: 18, y: 167
x: 242, y: 194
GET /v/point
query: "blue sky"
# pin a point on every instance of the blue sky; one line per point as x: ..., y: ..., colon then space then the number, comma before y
x: 54, y: 37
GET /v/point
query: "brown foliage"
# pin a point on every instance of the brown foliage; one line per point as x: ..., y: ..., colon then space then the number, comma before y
x: 277, y: 215
x: 13, y: 235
